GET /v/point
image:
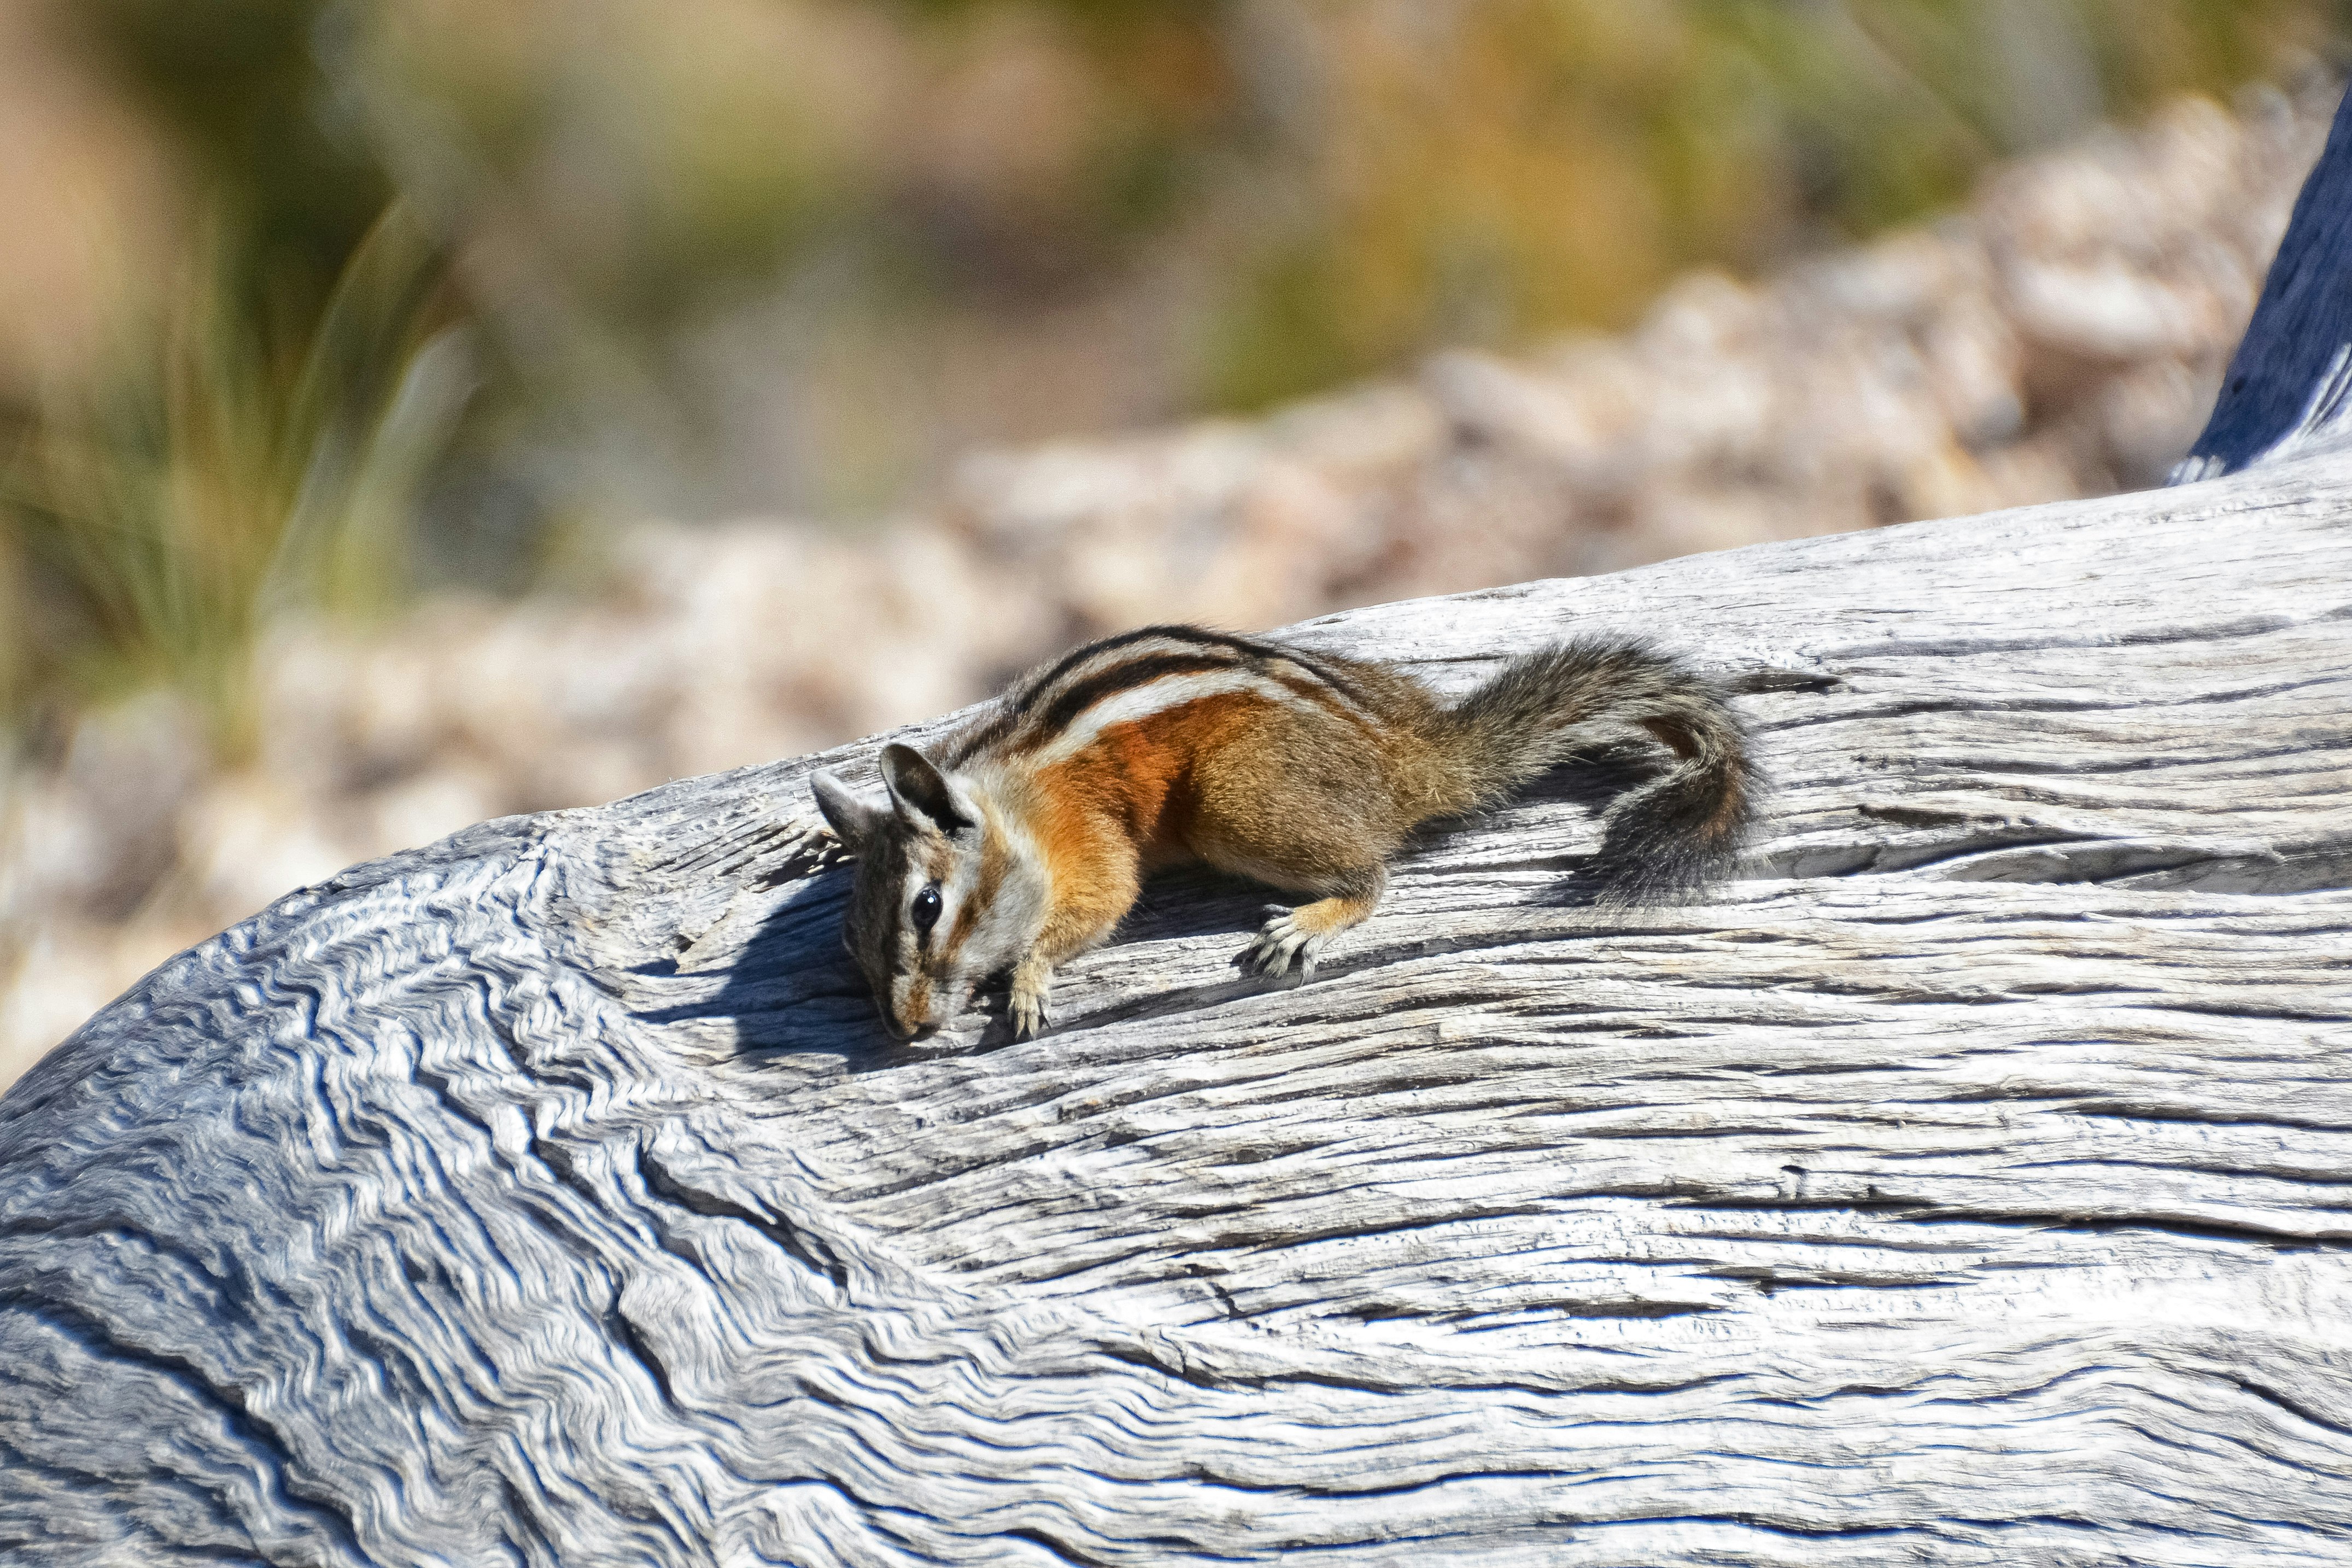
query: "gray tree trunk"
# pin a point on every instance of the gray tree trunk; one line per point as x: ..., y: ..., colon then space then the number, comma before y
x: 1968, y: 1182
x: 2289, y: 388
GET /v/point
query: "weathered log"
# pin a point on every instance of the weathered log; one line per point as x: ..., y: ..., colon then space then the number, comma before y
x: 1968, y: 1182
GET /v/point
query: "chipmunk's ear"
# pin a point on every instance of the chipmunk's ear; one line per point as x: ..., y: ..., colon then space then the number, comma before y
x: 924, y: 796
x: 851, y: 816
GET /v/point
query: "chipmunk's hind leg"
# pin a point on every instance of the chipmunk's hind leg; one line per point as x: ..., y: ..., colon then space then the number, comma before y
x: 1307, y: 802
x: 1299, y: 936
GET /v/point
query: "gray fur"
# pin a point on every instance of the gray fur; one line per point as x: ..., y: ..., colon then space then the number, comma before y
x: 851, y: 816
x: 1668, y: 837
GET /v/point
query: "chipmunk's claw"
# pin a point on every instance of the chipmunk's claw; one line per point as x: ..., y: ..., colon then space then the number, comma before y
x: 1281, y: 942
x: 1028, y: 1015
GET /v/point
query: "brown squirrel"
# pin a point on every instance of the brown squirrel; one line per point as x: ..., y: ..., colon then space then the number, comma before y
x: 1026, y: 838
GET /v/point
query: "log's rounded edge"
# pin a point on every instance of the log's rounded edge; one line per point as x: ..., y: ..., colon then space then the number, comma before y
x: 2289, y: 380
x: 186, y: 1254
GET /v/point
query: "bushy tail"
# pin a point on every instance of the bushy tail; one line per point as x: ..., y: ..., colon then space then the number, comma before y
x: 1668, y: 837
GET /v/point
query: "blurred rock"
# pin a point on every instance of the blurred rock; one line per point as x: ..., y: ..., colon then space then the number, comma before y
x: 2064, y: 337
x: 92, y: 836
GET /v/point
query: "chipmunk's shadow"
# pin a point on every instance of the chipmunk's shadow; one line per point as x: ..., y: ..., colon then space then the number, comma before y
x: 1196, y: 902
x: 1532, y: 822
x: 798, y: 1002
x: 1193, y: 900
x: 796, y: 998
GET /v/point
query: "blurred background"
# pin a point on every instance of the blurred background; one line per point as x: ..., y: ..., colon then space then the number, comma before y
x: 413, y: 412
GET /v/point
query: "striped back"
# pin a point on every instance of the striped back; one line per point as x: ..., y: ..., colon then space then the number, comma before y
x: 1055, y: 712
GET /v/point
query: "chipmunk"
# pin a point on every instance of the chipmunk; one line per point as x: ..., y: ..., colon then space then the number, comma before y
x: 1022, y: 841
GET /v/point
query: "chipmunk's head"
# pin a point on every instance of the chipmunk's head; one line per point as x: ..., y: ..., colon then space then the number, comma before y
x: 942, y: 898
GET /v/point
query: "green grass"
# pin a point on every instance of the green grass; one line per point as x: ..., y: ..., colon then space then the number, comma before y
x: 153, y: 521
x: 1347, y: 186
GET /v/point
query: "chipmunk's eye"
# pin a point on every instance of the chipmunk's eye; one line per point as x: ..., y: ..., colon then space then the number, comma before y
x: 926, y: 908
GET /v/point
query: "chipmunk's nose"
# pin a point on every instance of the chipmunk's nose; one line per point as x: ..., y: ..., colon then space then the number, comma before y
x: 894, y: 1018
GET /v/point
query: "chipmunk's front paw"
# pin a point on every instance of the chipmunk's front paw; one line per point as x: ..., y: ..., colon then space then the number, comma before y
x: 1027, y: 1012
x: 1283, y: 941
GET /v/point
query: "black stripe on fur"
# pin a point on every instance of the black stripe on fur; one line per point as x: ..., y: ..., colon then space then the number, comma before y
x: 1081, y: 695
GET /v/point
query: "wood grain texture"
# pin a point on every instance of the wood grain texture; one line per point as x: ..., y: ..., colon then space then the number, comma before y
x: 1968, y: 1182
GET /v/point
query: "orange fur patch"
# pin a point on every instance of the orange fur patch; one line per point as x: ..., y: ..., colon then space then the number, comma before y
x: 1137, y: 775
x: 1122, y: 806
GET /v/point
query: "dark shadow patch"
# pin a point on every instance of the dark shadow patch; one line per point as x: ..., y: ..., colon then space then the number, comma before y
x: 790, y: 992
x: 1196, y: 902
x: 796, y: 1000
